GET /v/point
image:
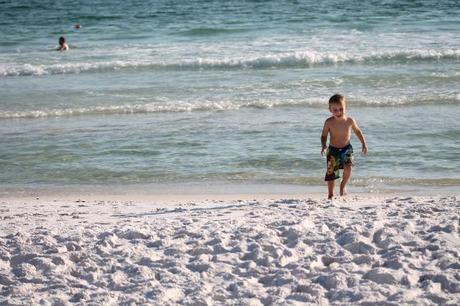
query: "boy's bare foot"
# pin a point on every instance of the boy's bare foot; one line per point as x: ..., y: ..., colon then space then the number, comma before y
x: 343, y: 192
x: 329, y: 197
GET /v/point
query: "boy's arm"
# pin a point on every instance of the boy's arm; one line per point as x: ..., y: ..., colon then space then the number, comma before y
x: 360, y: 136
x: 324, y: 137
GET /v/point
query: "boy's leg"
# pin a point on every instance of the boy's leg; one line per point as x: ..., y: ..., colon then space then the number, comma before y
x: 330, y: 188
x: 346, y: 176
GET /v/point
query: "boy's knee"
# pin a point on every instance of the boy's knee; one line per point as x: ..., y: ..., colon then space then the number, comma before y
x: 347, y: 169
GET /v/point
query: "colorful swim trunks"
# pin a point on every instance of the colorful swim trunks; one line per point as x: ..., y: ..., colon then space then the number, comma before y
x: 337, y: 159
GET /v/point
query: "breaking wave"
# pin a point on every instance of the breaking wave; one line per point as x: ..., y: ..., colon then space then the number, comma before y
x: 302, y: 59
x: 218, y: 106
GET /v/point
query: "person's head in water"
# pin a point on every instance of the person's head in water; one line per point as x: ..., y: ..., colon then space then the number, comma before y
x: 63, y: 44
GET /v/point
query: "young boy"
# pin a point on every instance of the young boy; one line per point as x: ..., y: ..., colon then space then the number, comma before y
x: 340, y: 151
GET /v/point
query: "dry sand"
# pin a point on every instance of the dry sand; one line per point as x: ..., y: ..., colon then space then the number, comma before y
x: 229, y: 250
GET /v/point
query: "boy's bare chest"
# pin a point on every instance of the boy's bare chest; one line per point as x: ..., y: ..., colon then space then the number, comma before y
x: 340, y: 127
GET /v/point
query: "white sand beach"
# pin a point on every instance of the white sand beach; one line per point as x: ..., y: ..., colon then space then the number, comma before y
x: 172, y: 156
x: 230, y: 250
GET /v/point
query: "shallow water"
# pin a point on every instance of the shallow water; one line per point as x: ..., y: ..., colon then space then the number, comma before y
x: 226, y: 91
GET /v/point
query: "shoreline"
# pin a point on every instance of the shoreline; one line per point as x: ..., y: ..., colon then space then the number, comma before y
x: 173, y: 192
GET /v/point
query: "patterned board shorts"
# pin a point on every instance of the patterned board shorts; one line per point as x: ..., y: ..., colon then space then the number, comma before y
x: 337, y: 159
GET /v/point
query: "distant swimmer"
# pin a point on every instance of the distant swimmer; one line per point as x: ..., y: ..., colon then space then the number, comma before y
x: 63, y: 46
x: 78, y: 26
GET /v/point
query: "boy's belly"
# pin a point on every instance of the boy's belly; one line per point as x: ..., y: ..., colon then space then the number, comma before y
x: 340, y: 139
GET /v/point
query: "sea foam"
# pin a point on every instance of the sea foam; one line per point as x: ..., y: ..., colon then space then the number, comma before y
x: 219, y: 105
x: 297, y: 59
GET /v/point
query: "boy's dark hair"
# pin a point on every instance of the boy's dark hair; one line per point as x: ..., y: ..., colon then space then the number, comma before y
x: 61, y: 39
x: 336, y: 99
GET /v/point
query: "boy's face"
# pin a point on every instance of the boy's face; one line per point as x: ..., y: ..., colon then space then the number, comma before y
x: 338, y: 109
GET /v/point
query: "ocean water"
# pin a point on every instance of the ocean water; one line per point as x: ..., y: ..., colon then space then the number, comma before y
x: 178, y: 92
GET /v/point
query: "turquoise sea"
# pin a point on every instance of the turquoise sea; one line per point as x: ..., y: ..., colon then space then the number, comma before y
x: 179, y: 92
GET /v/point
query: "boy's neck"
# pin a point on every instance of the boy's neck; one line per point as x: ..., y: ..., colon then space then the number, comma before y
x: 342, y: 118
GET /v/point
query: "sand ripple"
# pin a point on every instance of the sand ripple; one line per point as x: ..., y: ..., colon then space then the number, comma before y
x: 368, y: 251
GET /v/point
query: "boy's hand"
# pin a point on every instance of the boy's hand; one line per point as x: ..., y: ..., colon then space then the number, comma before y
x: 364, y: 149
x: 323, y: 150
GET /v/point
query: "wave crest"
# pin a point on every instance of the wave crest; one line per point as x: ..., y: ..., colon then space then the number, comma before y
x: 217, y: 106
x: 301, y: 59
